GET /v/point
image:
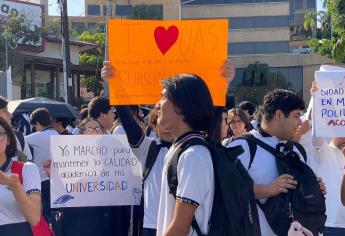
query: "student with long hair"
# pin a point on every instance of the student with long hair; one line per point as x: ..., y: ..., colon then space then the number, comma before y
x: 20, y: 206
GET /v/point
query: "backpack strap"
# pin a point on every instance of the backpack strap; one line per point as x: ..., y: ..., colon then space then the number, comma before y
x: 300, y: 148
x: 151, y: 158
x: 20, y: 138
x: 17, y: 168
x: 172, y: 171
x: 252, y: 146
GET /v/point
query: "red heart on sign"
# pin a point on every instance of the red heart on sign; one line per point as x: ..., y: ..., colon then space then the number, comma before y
x: 165, y: 39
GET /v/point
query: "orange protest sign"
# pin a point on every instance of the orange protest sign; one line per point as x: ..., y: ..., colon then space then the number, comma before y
x: 146, y: 52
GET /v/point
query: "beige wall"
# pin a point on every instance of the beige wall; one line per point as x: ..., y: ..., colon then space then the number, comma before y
x: 170, y: 9
x: 259, y: 35
x: 236, y: 10
x: 53, y: 50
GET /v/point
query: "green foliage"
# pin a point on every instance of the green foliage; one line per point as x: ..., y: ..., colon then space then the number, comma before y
x: 332, y: 31
x: 323, y: 46
x: 145, y: 12
x: 94, y: 57
x: 93, y: 84
x: 310, y: 22
x: 16, y: 30
x: 339, y: 50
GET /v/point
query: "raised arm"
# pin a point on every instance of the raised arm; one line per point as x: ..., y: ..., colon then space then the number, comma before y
x: 133, y: 130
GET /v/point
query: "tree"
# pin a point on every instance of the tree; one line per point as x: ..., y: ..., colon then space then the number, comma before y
x: 255, y: 75
x: 94, y: 57
x: 310, y: 23
x: 332, y: 31
x: 146, y: 12
x: 17, y: 30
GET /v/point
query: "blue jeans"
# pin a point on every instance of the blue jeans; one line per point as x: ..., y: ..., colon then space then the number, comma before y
x: 331, y: 231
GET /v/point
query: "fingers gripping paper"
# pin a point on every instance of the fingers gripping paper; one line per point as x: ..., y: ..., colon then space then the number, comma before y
x: 146, y: 52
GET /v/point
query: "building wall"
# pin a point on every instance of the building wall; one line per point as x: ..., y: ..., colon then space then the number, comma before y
x: 53, y: 50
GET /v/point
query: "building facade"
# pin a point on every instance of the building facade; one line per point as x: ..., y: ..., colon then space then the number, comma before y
x: 262, y: 43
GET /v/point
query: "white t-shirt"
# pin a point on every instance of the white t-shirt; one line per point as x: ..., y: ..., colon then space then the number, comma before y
x: 9, y: 210
x: 263, y: 169
x: 329, y: 164
x: 40, y: 142
x: 153, y: 182
x: 196, y: 187
x: 119, y: 130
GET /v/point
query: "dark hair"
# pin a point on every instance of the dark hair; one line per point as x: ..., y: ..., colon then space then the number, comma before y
x: 85, y: 121
x: 3, y: 102
x: 97, y: 106
x: 84, y: 113
x: 243, y: 116
x: 214, y: 133
x: 42, y: 116
x: 11, y: 149
x: 192, y: 99
x: 64, y: 121
x: 247, y: 106
x: 280, y: 99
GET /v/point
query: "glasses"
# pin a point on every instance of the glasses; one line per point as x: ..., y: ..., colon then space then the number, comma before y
x: 89, y: 130
x: 2, y: 135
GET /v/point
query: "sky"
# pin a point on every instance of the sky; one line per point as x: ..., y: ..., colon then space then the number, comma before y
x: 77, y: 8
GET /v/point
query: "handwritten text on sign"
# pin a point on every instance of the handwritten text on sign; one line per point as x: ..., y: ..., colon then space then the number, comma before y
x: 93, y: 171
x: 329, y: 105
x: 145, y: 52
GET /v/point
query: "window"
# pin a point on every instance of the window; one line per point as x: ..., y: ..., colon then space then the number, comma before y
x: 92, y: 27
x: 311, y: 4
x: 298, y: 4
x: 255, y: 81
x: 258, y: 47
x: 105, y: 10
x: 93, y: 10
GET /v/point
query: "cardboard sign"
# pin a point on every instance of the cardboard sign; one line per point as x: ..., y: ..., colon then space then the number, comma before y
x: 96, y: 170
x: 146, y: 52
x: 329, y: 104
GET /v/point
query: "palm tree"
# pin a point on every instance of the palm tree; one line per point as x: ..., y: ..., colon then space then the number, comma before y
x: 310, y: 22
x: 338, y: 50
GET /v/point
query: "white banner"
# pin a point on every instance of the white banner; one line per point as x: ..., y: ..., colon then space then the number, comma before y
x: 329, y: 104
x: 97, y: 170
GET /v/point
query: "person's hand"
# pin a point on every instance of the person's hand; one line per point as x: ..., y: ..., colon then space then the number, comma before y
x: 9, y: 180
x: 282, y: 184
x: 228, y: 71
x: 302, y: 130
x: 296, y: 229
x: 313, y: 87
x: 46, y: 166
x: 107, y: 71
x: 322, y: 185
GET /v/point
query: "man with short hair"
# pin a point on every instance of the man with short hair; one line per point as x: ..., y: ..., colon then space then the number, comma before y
x: 187, y: 115
x: 22, y: 145
x: 40, y: 119
x: 100, y: 109
x: 60, y: 124
x: 281, y: 112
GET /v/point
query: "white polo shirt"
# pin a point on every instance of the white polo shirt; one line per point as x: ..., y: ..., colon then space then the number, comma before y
x: 153, y: 182
x: 263, y: 169
x: 195, y: 186
x: 9, y: 210
x: 329, y: 164
x: 40, y: 142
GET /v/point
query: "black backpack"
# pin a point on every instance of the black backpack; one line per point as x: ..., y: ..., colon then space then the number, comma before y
x: 234, y: 210
x: 305, y: 204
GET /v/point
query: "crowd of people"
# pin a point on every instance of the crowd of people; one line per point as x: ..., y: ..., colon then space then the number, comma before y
x: 180, y: 116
